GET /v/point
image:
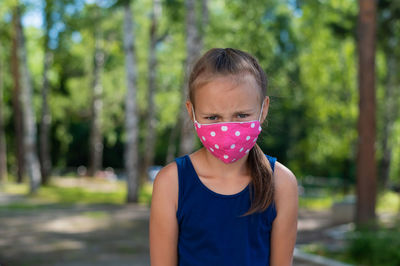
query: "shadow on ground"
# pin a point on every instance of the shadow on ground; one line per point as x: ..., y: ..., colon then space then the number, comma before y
x: 75, y: 235
x: 103, y: 234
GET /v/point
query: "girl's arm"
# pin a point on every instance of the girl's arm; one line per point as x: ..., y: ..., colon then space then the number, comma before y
x: 163, y: 223
x: 284, y: 227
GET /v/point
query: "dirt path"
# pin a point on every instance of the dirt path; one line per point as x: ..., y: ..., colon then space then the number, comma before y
x: 76, y: 235
x: 99, y: 235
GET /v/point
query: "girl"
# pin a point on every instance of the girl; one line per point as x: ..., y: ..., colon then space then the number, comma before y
x: 227, y: 203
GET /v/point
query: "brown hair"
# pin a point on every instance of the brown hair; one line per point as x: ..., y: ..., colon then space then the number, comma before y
x: 229, y: 61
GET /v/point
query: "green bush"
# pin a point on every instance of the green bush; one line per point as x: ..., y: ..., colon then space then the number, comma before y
x: 375, y: 247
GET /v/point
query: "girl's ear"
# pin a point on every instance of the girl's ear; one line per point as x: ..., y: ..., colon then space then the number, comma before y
x: 189, y: 109
x: 265, y: 109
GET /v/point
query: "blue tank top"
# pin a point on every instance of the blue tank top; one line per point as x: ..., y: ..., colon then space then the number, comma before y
x: 210, y: 229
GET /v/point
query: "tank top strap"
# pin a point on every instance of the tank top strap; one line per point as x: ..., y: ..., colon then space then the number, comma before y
x: 272, y: 161
x: 186, y: 178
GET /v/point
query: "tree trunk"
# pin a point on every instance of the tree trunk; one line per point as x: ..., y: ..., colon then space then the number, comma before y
x: 151, y: 112
x: 193, y: 50
x: 17, y: 108
x: 203, y: 23
x: 366, y: 165
x: 131, y: 113
x: 3, y: 148
x: 96, y: 138
x: 28, y: 117
x: 44, y: 148
x: 389, y: 117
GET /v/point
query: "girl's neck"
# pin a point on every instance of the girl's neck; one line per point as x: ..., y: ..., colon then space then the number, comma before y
x: 220, y: 169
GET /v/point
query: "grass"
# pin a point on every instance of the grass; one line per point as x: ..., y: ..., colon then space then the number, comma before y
x: 93, y: 191
x: 75, y: 191
x: 389, y: 201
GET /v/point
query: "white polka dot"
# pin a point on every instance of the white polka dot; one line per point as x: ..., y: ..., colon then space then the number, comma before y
x: 233, y: 160
x: 198, y: 125
x: 226, y: 156
x: 237, y: 133
x: 247, y: 150
x: 203, y: 138
x: 254, y: 140
x: 212, y: 133
x: 224, y: 128
x: 252, y: 125
x: 241, y: 150
x: 248, y: 137
x: 212, y: 149
x: 216, y: 146
x: 259, y: 128
x: 232, y: 146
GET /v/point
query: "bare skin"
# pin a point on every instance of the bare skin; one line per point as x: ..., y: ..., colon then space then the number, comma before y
x: 220, y: 101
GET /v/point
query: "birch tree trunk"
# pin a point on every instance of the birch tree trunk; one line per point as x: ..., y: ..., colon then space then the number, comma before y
x: 194, y: 47
x: 96, y: 138
x: 3, y: 148
x: 366, y: 165
x: 131, y: 114
x: 44, y: 148
x: 203, y: 23
x: 28, y: 117
x: 151, y: 110
x: 17, y: 108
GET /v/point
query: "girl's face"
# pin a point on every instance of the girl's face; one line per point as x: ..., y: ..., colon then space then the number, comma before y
x: 228, y: 99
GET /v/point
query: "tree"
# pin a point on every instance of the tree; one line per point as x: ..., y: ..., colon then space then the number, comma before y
x: 96, y: 137
x: 388, y: 39
x: 3, y: 153
x: 152, y: 73
x: 28, y: 115
x: 17, y: 108
x: 194, y: 47
x: 45, y: 119
x: 131, y: 113
x: 366, y: 165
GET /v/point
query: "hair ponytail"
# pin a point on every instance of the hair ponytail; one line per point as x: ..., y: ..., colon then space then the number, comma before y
x: 262, y: 184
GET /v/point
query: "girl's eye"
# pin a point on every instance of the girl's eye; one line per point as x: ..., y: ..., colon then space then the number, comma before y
x: 211, y: 117
x: 243, y: 115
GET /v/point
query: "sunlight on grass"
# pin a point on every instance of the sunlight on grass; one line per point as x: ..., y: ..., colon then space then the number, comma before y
x: 315, y: 203
x: 320, y: 203
x: 79, y: 195
x: 96, y: 214
x: 67, y: 191
x: 388, y: 202
x: 145, y: 193
x: 91, y: 191
x: 14, y: 188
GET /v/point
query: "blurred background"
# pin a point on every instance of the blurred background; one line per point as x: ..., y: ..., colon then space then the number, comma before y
x: 92, y: 97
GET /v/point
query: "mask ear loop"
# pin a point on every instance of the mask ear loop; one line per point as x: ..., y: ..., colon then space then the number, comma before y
x: 262, y: 106
x: 194, y: 118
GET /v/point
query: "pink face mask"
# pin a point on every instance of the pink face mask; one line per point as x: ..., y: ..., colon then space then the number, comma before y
x: 229, y: 141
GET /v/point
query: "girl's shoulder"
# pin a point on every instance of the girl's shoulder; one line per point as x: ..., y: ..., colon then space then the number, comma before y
x: 166, y: 183
x: 283, y: 177
x: 286, y: 188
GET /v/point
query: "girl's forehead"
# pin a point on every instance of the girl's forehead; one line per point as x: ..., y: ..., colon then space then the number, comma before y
x: 225, y: 94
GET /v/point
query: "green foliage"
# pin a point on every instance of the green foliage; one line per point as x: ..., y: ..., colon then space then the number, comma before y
x: 307, y: 48
x: 375, y: 247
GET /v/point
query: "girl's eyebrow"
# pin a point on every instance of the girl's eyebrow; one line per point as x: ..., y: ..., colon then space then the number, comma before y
x: 237, y: 112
